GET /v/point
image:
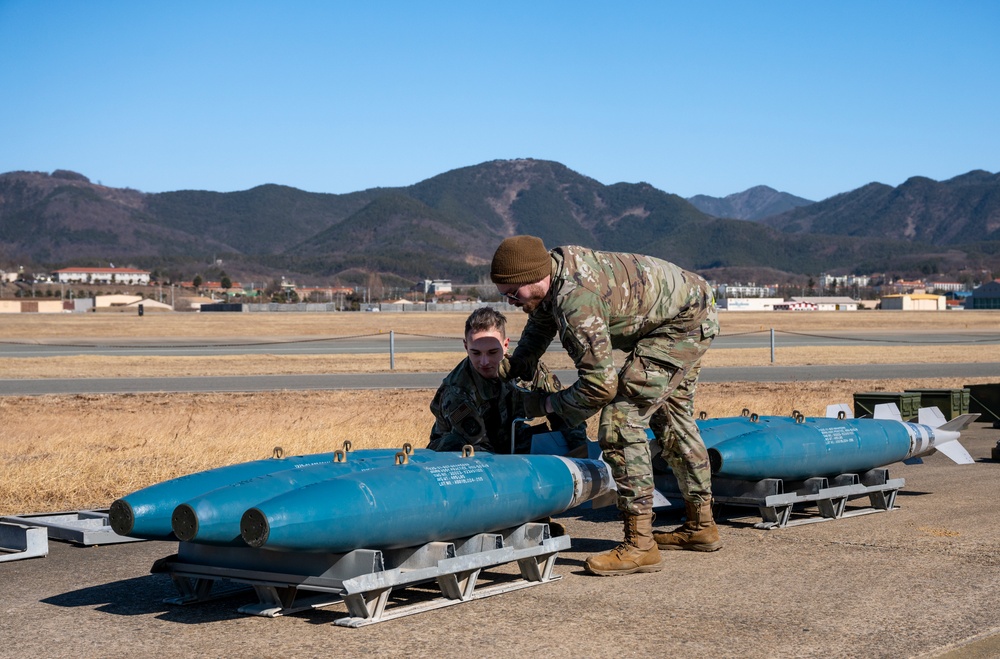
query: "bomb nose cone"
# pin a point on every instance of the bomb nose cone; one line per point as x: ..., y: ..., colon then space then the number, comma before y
x: 254, y: 528
x: 184, y: 522
x: 122, y: 517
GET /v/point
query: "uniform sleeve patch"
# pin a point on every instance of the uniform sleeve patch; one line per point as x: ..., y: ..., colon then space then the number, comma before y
x: 465, y: 419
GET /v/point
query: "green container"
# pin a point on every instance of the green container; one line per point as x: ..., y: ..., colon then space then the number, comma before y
x: 951, y: 402
x: 908, y: 403
x: 985, y: 399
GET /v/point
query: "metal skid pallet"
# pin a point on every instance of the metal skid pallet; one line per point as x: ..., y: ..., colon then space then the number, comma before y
x: 27, y: 536
x: 776, y: 499
x: 365, y: 579
x: 81, y: 527
x: 18, y: 541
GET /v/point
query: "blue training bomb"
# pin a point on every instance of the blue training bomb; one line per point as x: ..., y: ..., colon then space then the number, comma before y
x: 147, y: 513
x: 792, y: 448
x: 214, y: 518
x: 411, y: 504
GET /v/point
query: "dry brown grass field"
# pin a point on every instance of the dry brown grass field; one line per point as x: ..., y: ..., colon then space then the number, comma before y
x: 78, y: 452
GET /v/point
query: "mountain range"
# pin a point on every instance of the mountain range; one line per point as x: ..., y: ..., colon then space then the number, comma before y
x: 448, y: 226
x: 754, y: 204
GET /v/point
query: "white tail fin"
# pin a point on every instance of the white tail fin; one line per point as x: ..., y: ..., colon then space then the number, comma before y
x: 931, y: 416
x: 947, y: 433
x: 833, y: 411
x: 887, y: 411
x: 956, y: 452
x: 960, y: 423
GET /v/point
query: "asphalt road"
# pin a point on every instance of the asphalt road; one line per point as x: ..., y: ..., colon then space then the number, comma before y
x: 920, y: 581
x: 376, y: 343
x: 250, y: 383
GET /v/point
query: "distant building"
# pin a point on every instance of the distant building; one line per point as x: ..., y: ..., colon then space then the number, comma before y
x: 104, y: 301
x: 829, y: 303
x: 193, y: 303
x: 902, y: 286
x: 858, y: 280
x: 792, y: 305
x: 749, y: 303
x: 215, y: 286
x: 843, y: 281
x: 986, y: 296
x: 813, y: 303
x: 826, y: 280
x: 323, y: 292
x: 128, y: 303
x: 945, y: 286
x: 33, y: 306
x: 914, y: 302
x: 957, y: 299
x: 744, y: 290
x: 437, y: 286
x: 126, y: 276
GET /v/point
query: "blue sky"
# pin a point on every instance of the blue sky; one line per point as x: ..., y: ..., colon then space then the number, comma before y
x: 809, y: 97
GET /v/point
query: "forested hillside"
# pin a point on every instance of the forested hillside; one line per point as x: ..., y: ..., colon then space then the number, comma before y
x: 448, y: 226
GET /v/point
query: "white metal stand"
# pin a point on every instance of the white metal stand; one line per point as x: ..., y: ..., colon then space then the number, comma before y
x: 374, y: 585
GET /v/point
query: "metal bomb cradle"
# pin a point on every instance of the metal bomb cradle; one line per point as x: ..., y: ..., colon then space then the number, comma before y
x: 365, y: 580
x: 368, y: 528
x: 363, y: 527
x: 780, y: 464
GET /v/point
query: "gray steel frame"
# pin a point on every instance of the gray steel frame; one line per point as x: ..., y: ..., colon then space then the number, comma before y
x: 18, y: 541
x: 775, y: 499
x: 82, y: 527
x: 364, y: 579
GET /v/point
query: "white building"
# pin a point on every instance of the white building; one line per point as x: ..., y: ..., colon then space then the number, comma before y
x: 858, y: 280
x: 744, y: 290
x: 945, y: 286
x: 841, y: 281
x: 829, y: 303
x: 749, y: 303
x: 795, y: 306
x: 126, y: 276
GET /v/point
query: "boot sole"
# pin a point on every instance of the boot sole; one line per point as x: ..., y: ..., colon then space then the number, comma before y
x: 715, y: 546
x: 621, y: 573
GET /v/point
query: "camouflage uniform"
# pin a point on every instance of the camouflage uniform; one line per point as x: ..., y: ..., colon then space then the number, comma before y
x: 471, y: 409
x: 664, y: 318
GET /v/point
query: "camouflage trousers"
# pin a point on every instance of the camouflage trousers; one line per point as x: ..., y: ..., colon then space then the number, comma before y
x: 656, y: 388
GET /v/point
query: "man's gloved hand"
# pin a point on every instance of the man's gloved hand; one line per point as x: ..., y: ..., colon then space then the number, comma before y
x: 513, y: 369
x: 534, y: 404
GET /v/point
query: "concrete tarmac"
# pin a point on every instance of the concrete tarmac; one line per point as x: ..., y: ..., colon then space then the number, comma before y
x: 919, y: 581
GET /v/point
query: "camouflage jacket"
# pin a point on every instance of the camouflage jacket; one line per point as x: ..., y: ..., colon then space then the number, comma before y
x: 603, y: 300
x: 471, y: 409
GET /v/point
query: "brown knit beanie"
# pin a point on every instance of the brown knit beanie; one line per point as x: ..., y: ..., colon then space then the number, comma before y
x: 520, y: 260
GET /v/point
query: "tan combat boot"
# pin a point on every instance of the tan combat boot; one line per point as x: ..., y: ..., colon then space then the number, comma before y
x: 637, y: 553
x: 697, y: 533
